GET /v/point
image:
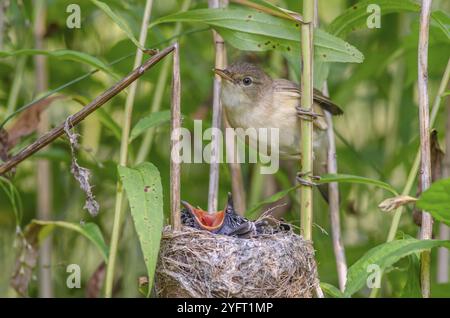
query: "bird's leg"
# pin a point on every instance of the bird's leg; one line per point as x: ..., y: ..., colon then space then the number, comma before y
x: 307, y: 114
x: 303, y: 181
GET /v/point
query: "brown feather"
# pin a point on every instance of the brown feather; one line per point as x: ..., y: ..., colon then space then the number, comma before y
x: 289, y: 87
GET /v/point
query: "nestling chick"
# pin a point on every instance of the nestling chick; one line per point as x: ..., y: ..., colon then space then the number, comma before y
x: 228, y: 222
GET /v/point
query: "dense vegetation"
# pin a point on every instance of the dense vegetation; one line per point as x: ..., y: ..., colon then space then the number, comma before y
x: 372, y: 76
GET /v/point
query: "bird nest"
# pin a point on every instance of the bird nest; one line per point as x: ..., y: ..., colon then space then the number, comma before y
x: 197, y: 263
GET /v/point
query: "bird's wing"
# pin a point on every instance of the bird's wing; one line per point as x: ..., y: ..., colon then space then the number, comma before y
x: 292, y: 89
x: 288, y: 95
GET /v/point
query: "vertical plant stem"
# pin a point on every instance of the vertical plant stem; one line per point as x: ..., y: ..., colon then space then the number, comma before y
x: 443, y: 255
x: 175, y: 167
x: 44, y: 193
x: 333, y: 189
x: 306, y: 206
x: 424, y: 123
x: 237, y: 182
x: 333, y: 193
x: 17, y: 83
x: 2, y: 22
x: 149, y: 136
x: 216, y: 118
x: 256, y: 185
x: 118, y: 209
x: 444, y: 231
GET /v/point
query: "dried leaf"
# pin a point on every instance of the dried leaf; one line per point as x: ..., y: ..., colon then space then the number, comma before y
x: 28, y: 120
x: 143, y: 285
x: 4, y: 145
x: 95, y: 283
x: 437, y: 156
x: 391, y: 204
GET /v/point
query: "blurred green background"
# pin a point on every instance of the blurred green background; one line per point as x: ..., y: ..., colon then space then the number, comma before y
x: 377, y: 135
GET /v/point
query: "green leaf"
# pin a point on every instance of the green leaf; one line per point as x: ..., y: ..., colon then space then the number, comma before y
x: 63, y: 54
x: 385, y: 255
x: 412, y: 286
x: 274, y: 198
x: 14, y: 198
x: 252, y: 30
x: 347, y: 178
x: 144, y: 191
x: 121, y: 23
x: 442, y: 20
x: 152, y: 120
x: 436, y: 201
x: 446, y: 93
x: 356, y: 16
x: 331, y: 290
x: 91, y: 231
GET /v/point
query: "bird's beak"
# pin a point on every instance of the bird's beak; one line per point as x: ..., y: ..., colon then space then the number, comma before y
x: 207, y: 221
x: 224, y: 74
x: 229, y: 206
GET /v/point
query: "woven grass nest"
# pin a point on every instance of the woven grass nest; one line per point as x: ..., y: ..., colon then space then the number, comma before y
x: 198, y: 264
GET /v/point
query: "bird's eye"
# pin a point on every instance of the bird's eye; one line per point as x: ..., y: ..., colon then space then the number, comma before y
x: 247, y: 81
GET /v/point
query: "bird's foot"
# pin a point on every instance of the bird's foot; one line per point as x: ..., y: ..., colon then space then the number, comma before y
x: 301, y: 178
x: 307, y: 114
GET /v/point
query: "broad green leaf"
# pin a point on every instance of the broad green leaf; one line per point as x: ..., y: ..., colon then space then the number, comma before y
x: 331, y: 290
x: 121, y: 23
x: 152, y: 120
x: 321, y: 71
x: 385, y: 255
x: 63, y: 54
x: 447, y: 93
x: 274, y: 198
x: 412, y: 285
x: 144, y: 192
x: 252, y: 30
x: 442, y: 20
x: 356, y: 15
x: 91, y: 231
x: 356, y: 179
x: 436, y: 201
